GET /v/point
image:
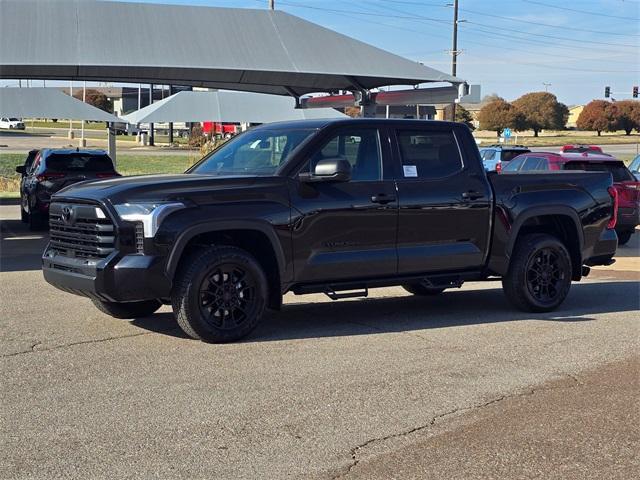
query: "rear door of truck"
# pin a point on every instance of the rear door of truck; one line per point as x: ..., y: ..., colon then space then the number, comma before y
x: 445, y: 200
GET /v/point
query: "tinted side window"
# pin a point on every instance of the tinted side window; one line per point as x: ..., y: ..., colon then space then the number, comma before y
x: 514, y: 165
x: 508, y: 155
x: 488, y: 154
x: 531, y: 163
x: 428, y: 154
x: 360, y: 147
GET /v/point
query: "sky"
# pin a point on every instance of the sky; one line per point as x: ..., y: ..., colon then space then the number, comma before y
x: 509, y: 47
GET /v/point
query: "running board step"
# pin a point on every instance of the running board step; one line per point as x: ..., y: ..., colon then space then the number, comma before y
x: 333, y: 295
x: 457, y: 283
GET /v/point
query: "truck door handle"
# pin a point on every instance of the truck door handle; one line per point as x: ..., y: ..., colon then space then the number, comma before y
x: 383, y: 198
x: 472, y: 195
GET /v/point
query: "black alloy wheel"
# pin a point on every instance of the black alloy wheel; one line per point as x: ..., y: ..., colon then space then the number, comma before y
x: 219, y: 294
x: 545, y: 276
x: 227, y: 296
x: 540, y: 273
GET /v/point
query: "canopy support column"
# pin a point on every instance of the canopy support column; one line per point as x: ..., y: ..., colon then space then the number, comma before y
x: 112, y: 142
x: 295, y: 95
x: 363, y: 98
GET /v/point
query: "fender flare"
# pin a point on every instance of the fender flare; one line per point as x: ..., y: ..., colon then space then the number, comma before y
x: 217, y: 226
x: 562, y: 210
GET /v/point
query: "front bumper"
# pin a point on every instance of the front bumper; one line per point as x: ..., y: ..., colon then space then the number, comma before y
x: 116, y: 278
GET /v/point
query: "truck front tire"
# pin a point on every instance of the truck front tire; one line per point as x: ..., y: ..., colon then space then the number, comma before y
x: 539, y: 275
x: 220, y: 294
x: 128, y: 310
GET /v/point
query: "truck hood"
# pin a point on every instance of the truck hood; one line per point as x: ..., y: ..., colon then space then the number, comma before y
x: 153, y: 188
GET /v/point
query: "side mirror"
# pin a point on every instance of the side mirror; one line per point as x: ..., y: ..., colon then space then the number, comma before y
x: 21, y: 169
x: 329, y: 170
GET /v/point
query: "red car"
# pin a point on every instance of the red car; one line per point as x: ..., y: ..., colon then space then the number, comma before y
x: 627, y: 187
x: 580, y: 149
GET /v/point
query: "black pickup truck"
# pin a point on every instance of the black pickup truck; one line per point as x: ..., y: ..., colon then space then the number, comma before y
x: 333, y: 206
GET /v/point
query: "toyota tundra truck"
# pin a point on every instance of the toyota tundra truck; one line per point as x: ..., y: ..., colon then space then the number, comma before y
x: 331, y: 206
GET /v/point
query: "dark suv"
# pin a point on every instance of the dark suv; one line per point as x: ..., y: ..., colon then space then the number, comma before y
x: 51, y: 170
x: 333, y: 206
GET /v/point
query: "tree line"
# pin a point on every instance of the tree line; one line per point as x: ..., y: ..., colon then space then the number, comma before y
x: 602, y: 116
x: 541, y: 110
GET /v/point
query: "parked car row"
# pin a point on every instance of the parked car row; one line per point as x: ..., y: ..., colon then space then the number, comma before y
x: 626, y: 184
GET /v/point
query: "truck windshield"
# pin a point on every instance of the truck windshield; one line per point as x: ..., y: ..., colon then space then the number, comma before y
x: 257, y: 152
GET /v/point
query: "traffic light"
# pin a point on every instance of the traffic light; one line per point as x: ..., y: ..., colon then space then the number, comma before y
x: 607, y: 92
x: 635, y: 91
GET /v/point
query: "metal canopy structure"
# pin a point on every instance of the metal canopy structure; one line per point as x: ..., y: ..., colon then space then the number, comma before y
x: 224, y: 106
x: 48, y: 103
x: 231, y: 48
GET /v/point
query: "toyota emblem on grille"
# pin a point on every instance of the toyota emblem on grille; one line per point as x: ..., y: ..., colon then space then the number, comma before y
x: 68, y: 215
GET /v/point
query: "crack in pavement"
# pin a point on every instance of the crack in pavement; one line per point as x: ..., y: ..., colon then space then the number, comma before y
x: 33, y: 348
x: 355, y: 460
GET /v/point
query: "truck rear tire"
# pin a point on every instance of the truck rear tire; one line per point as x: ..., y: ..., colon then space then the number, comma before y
x: 539, y: 276
x: 220, y: 294
x: 422, y: 290
x: 128, y: 310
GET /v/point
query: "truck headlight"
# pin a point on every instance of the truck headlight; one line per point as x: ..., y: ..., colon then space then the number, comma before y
x: 150, y: 214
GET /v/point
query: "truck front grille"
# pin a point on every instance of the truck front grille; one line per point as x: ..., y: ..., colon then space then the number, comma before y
x: 80, y: 231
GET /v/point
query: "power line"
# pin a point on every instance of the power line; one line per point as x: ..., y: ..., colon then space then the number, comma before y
x: 540, y: 24
x: 385, y: 15
x: 416, y: 17
x: 585, y: 12
x: 441, y: 22
x: 555, y: 37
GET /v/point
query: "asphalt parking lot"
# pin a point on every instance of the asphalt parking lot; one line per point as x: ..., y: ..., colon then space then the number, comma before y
x: 392, y: 386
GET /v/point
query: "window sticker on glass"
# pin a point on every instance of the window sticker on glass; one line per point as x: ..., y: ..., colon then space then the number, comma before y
x: 410, y: 170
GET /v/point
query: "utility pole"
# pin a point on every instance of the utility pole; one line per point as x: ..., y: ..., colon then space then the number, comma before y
x: 546, y: 86
x: 454, y: 53
x: 272, y: 5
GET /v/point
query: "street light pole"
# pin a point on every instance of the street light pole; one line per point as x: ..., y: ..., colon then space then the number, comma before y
x: 454, y: 53
x: 546, y: 86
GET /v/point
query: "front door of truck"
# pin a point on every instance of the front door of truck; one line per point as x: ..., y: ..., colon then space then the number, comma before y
x: 347, y: 230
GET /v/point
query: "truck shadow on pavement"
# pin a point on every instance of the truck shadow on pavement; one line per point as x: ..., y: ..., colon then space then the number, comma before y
x: 20, y: 249
x: 406, y: 313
